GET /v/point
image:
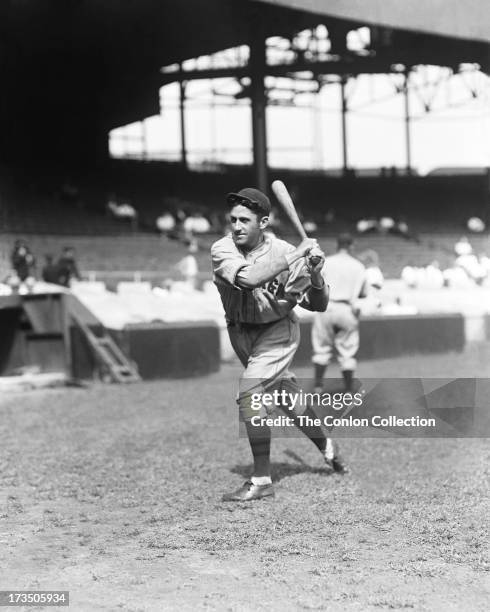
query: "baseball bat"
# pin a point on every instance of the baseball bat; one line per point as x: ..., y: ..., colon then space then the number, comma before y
x: 287, y: 204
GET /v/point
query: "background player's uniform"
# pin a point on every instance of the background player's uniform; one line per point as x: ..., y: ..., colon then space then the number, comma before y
x: 263, y: 330
x: 335, y: 332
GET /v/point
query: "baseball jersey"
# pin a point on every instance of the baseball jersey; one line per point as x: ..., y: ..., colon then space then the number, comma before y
x: 346, y: 276
x: 266, y: 304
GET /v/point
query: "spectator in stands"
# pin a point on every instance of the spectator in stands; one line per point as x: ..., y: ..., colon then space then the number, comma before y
x: 188, y: 227
x: 476, y: 225
x: 402, y: 228
x: 124, y: 210
x: 374, y: 276
x: 201, y: 224
x: 456, y: 277
x: 50, y: 272
x: 5, y: 288
x: 409, y: 276
x: 67, y: 267
x: 386, y: 224
x: 112, y: 203
x: 310, y: 226
x: 165, y: 223
x: 485, y: 263
x: 180, y: 215
x: 433, y: 275
x: 365, y: 226
x: 463, y: 246
x: 196, y: 224
x: 23, y: 261
x: 470, y: 264
x: 12, y: 281
x: 188, y: 266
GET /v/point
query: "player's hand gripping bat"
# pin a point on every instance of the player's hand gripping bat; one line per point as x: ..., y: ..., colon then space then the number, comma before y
x: 286, y: 202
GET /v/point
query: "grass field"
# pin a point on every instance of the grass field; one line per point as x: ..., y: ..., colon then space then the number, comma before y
x: 113, y: 493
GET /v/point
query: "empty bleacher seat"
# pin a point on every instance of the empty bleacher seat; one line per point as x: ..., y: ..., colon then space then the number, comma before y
x: 88, y: 286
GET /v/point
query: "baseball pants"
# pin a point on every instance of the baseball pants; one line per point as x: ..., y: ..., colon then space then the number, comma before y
x: 266, y: 351
x: 335, y: 334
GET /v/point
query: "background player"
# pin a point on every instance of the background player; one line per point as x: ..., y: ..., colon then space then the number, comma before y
x: 335, y: 333
x: 260, y: 280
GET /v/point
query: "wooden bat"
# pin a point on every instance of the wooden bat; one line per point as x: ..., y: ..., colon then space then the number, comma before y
x: 287, y: 204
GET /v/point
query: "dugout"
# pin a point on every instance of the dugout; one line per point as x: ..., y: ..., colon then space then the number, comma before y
x: 34, y: 330
x: 160, y: 350
x: 54, y: 332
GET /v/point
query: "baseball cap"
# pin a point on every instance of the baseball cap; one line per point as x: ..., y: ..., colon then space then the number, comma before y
x: 252, y: 198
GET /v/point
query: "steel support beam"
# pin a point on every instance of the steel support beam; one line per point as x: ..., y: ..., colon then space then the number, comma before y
x: 408, y: 143
x: 345, y: 156
x: 278, y: 70
x: 183, y: 144
x: 258, y: 106
x: 486, y: 215
x: 144, y: 139
x: 355, y: 67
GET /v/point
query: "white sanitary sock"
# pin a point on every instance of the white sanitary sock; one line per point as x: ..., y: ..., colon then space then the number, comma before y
x: 329, y: 452
x: 260, y: 481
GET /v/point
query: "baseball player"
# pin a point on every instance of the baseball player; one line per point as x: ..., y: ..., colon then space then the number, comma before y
x: 261, y: 279
x: 335, y: 332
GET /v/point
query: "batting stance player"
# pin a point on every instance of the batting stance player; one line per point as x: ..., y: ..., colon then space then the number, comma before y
x: 335, y: 333
x: 260, y: 280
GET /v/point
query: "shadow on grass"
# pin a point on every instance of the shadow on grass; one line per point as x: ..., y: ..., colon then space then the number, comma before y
x: 280, y: 470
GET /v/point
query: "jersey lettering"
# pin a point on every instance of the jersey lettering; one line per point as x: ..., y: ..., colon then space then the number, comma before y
x: 275, y: 288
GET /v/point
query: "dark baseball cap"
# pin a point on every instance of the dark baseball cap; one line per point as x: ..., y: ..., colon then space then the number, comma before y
x: 252, y: 198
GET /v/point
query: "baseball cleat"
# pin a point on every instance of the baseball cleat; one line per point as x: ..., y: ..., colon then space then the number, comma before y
x: 339, y: 465
x: 329, y: 468
x: 333, y: 459
x: 249, y: 492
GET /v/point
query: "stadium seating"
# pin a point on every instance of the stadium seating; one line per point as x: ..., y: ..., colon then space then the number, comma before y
x: 33, y: 206
x: 118, y: 258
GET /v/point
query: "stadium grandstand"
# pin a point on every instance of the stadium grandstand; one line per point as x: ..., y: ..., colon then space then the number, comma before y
x: 62, y: 183
x: 39, y: 212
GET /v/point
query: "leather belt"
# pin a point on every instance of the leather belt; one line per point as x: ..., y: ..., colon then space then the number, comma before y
x: 241, y: 325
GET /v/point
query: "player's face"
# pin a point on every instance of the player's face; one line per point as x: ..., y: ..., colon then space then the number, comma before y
x: 246, y: 227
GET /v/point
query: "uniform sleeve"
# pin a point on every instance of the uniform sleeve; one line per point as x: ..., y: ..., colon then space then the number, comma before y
x: 227, y: 262
x: 299, y: 280
x: 315, y: 302
x: 364, y: 290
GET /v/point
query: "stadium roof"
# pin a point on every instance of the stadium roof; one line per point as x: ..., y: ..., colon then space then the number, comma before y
x: 73, y: 69
x: 468, y: 19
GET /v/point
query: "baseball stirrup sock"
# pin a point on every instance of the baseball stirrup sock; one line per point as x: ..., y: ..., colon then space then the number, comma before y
x: 319, y: 374
x: 347, y: 374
